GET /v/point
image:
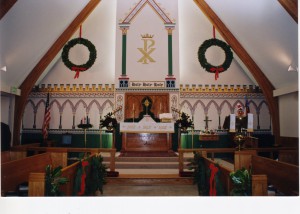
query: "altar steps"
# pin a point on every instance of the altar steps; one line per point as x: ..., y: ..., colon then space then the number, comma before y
x: 148, y: 171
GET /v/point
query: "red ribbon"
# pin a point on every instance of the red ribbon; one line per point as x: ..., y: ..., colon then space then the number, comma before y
x: 83, y: 176
x: 216, y: 70
x: 77, y: 69
x: 212, y: 181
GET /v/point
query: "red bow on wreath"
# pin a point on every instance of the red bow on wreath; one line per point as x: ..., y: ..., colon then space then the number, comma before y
x: 216, y: 70
x: 77, y: 69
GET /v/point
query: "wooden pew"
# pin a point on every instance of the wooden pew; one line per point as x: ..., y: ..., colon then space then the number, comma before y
x: 16, y: 172
x: 289, y: 156
x: 284, y: 176
x: 16, y: 153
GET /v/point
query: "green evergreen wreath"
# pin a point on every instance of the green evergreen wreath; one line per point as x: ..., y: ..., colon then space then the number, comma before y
x: 72, y: 43
x: 206, y: 65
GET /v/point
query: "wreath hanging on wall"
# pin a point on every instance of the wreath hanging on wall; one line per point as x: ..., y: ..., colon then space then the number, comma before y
x: 83, y: 67
x: 206, y: 65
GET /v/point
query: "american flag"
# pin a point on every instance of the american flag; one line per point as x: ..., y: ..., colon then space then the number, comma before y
x: 47, y: 118
x: 247, y: 106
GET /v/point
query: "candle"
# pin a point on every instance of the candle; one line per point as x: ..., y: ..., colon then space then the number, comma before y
x: 133, y: 107
x: 159, y: 106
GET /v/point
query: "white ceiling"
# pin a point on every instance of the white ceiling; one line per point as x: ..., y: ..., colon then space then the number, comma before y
x: 263, y: 27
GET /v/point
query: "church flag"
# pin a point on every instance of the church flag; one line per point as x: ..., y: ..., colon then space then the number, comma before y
x: 47, y: 118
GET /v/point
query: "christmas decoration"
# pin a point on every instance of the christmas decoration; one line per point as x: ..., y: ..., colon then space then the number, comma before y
x: 83, y: 67
x: 206, y: 65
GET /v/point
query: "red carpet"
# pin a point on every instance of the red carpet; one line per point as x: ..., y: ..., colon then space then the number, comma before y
x: 148, y: 154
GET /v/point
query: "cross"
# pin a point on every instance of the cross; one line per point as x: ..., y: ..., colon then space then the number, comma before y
x: 206, y: 122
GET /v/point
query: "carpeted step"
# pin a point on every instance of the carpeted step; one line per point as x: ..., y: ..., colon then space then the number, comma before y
x: 147, y: 165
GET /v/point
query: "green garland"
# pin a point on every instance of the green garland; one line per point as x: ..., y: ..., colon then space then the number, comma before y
x: 206, y: 65
x: 72, y: 43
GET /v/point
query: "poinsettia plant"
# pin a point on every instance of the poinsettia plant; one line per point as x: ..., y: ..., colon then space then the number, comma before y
x: 109, y: 121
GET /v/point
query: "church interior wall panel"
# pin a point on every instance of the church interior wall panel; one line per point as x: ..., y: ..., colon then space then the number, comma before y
x: 288, y: 108
x: 99, y: 28
x: 68, y: 106
x: 147, y: 20
x: 191, y: 38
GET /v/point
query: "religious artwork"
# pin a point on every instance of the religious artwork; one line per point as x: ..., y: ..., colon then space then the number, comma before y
x: 147, y: 49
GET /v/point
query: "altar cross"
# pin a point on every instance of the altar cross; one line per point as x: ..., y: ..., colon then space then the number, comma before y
x: 206, y: 122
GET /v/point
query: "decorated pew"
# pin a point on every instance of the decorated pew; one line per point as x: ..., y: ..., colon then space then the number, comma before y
x: 85, y: 177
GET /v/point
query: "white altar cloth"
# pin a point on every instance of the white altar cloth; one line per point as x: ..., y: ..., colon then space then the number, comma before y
x: 146, y: 125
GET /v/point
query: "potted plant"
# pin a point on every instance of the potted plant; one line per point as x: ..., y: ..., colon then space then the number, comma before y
x: 53, y: 181
x: 241, y: 182
x: 109, y: 122
x: 184, y: 122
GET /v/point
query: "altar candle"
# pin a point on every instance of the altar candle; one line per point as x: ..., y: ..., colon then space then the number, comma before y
x: 133, y: 107
x: 159, y: 106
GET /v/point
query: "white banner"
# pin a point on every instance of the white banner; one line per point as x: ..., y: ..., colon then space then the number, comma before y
x: 146, y: 84
x: 250, y: 123
x: 146, y: 127
x: 232, y: 123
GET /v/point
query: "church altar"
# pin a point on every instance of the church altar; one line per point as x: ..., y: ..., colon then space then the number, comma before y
x: 146, y: 135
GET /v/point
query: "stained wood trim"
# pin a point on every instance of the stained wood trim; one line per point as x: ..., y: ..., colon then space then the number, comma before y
x: 5, y: 6
x: 262, y: 80
x: 291, y: 6
x: 31, y: 79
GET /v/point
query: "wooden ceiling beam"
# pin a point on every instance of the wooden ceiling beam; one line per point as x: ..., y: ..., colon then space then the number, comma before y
x: 29, y: 82
x: 5, y: 6
x: 291, y: 6
x: 262, y: 80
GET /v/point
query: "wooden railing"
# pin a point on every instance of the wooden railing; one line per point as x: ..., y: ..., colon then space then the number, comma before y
x: 112, y: 152
x: 16, y: 153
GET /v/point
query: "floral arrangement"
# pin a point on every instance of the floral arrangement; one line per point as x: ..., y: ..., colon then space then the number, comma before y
x: 109, y: 121
x: 184, y: 122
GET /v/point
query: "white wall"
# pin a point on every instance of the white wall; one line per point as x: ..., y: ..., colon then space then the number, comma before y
x: 289, y: 115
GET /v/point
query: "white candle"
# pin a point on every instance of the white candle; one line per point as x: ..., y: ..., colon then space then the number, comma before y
x: 159, y: 106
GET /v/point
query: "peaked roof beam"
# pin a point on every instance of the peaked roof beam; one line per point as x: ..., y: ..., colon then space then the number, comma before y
x: 37, y: 71
x: 5, y: 6
x: 262, y: 80
x: 291, y: 6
